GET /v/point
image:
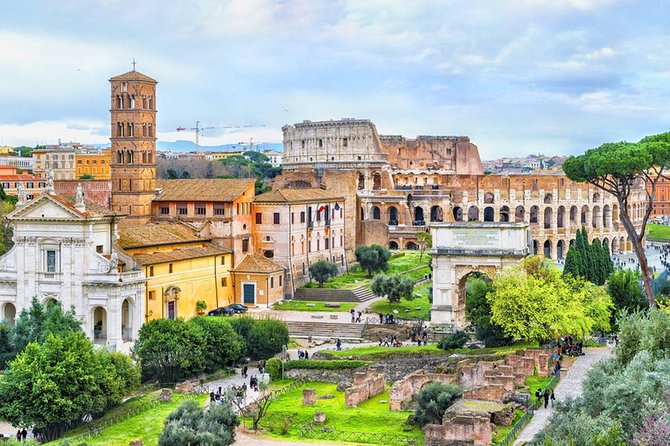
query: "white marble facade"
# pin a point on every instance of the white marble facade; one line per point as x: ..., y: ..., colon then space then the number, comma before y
x: 64, y: 250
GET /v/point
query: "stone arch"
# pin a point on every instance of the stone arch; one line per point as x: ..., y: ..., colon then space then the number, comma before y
x: 560, y: 250
x: 376, y: 213
x: 362, y: 214
x: 458, y: 213
x: 171, y: 298
x: 376, y: 181
x: 473, y: 213
x: 504, y: 214
x: 607, y: 216
x: 9, y: 314
x: 548, y: 216
x: 571, y: 243
x: 615, y: 246
x: 585, y: 215
x: 534, y: 211
x: 596, y: 217
x: 436, y: 214
x: 615, y: 214
x: 411, y: 246
x: 489, y: 198
x: 573, y: 215
x: 393, y: 244
x: 535, y: 247
x: 127, y: 319
x: 393, y: 215
x: 606, y: 242
x: 520, y: 214
x: 548, y: 198
x: 99, y: 315
x: 463, y: 272
x: 622, y: 244
x: 418, y: 216
x: 560, y: 217
x: 546, y: 249
x: 489, y: 214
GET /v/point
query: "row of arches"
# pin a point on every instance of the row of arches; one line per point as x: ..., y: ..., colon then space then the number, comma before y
x: 128, y: 157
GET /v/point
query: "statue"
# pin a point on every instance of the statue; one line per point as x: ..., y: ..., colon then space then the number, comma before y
x: 113, y: 261
x: 21, y: 194
x: 80, y: 195
x: 50, y: 181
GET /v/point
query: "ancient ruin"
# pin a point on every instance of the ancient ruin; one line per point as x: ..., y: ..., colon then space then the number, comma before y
x: 366, y: 385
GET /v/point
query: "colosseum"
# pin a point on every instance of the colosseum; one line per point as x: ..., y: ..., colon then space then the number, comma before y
x: 400, y: 186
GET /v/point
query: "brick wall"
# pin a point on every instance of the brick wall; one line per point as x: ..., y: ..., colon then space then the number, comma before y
x: 366, y: 385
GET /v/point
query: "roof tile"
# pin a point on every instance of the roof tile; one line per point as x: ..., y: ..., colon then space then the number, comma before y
x: 297, y: 196
x: 256, y: 263
x: 154, y: 234
x: 222, y: 190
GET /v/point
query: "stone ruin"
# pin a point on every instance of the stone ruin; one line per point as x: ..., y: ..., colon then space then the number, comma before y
x: 308, y: 397
x: 165, y: 396
x: 403, y: 391
x: 366, y: 385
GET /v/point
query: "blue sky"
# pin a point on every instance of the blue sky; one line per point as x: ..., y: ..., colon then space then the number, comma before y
x: 517, y: 76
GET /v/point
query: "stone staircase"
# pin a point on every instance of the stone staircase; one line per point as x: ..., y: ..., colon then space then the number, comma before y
x: 364, y: 294
x: 356, y: 295
x: 330, y: 330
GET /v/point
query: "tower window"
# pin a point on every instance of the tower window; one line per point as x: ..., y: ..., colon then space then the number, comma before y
x: 320, y: 143
x: 124, y: 87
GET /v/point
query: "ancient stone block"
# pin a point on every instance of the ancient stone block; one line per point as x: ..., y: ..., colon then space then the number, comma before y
x: 165, y: 396
x: 319, y: 418
x: 503, y: 417
x: 308, y: 397
x: 136, y: 443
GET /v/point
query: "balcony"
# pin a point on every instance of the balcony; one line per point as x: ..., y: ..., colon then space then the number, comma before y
x: 326, y: 222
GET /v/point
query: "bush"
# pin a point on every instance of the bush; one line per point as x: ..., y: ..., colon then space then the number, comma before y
x: 242, y: 326
x: 273, y: 368
x: 191, y: 424
x: 266, y: 338
x: 322, y: 271
x: 455, y: 340
x: 223, y: 345
x: 433, y: 400
x: 324, y: 364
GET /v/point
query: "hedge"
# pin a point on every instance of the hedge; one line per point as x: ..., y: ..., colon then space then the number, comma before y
x: 273, y: 366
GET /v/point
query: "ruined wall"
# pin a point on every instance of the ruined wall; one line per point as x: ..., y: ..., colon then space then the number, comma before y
x: 461, y: 430
x: 366, y: 385
x: 403, y: 391
x: 374, y: 231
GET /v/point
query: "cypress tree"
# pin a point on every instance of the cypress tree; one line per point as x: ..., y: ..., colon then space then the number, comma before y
x: 607, y: 256
x: 597, y: 273
x: 572, y: 263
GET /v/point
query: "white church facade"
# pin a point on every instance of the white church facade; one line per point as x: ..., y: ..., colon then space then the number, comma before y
x: 64, y: 251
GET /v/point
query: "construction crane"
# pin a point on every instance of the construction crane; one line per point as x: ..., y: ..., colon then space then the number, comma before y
x: 197, y: 129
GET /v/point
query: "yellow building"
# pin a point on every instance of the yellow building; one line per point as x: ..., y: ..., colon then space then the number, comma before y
x: 181, y: 268
x: 6, y: 150
x: 95, y: 164
x: 218, y: 156
x: 258, y: 281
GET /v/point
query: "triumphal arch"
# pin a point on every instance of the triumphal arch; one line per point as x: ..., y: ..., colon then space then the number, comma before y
x: 463, y: 248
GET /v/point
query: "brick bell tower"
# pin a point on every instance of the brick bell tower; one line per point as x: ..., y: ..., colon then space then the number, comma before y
x: 133, y: 136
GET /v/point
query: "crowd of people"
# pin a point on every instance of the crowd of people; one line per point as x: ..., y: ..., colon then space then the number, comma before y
x: 546, y: 395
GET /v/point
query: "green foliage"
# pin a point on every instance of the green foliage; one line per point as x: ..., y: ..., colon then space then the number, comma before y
x: 454, y: 340
x: 373, y: 258
x: 624, y: 287
x: 38, y: 321
x: 478, y: 311
x: 7, y: 205
x: 590, y: 261
x: 393, y: 287
x: 242, y: 326
x: 433, y: 400
x: 223, y: 345
x: 322, y: 271
x: 266, y: 338
x: 325, y: 364
x: 201, y: 305
x: 6, y: 349
x: 190, y: 424
x: 170, y: 350
x: 51, y: 386
x: 534, y: 302
x: 273, y: 368
x: 425, y: 240
x: 86, y: 176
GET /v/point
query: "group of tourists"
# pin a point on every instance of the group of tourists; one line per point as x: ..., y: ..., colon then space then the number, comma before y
x: 355, y: 316
x: 303, y: 354
x: 387, y: 341
x: 546, y: 395
x: 21, y: 434
x: 387, y: 319
x: 419, y: 334
x: 568, y: 347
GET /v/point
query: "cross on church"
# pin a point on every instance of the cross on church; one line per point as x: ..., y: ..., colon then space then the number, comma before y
x: 133, y: 64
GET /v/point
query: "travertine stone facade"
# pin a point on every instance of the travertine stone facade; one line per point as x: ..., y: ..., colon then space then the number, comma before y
x: 133, y: 159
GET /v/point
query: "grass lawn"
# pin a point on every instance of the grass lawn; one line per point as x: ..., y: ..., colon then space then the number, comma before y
x: 422, y: 303
x: 146, y: 426
x: 406, y: 263
x: 536, y: 382
x: 658, y: 232
x: 375, y: 352
x: 302, y: 305
x: 371, y: 416
x: 503, y: 430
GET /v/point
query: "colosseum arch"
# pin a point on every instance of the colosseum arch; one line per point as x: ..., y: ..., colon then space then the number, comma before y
x: 560, y: 250
x: 489, y: 214
x: 607, y: 216
x: 504, y: 214
x: 585, y: 215
x: 546, y: 249
x: 418, y: 216
x: 376, y: 181
x: 560, y: 217
x: 534, y: 211
x: 573, y: 215
x: 436, y: 214
x: 596, y: 197
x: 548, y: 216
x: 458, y: 213
x: 393, y: 245
x: 520, y: 214
x: 488, y: 198
x: 393, y: 215
x: 597, y: 218
x: 473, y: 213
x: 376, y: 213
x: 548, y: 198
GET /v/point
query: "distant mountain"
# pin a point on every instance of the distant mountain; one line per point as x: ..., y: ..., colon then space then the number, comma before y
x: 189, y: 146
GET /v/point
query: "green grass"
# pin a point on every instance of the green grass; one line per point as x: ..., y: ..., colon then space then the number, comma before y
x: 407, y: 262
x: 535, y: 382
x: 422, y: 303
x: 658, y: 232
x: 372, y: 415
x: 503, y: 430
x: 301, y: 305
x: 375, y: 352
x: 146, y: 426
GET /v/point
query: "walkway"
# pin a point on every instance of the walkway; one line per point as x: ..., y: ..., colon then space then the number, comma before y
x: 569, y: 385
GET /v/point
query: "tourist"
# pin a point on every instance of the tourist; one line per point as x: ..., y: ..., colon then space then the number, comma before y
x: 381, y: 318
x: 18, y: 435
x: 306, y: 354
x: 538, y: 394
x: 546, y: 398
x: 353, y: 315
x: 338, y: 344
x: 358, y: 318
x: 381, y: 340
x: 244, y: 371
x: 24, y: 434
x: 552, y: 398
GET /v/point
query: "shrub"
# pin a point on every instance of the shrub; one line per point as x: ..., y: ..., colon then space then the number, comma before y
x: 394, y: 287
x: 273, y: 368
x: 242, y: 326
x: 267, y: 338
x: 433, y: 400
x: 322, y: 271
x: 191, y: 424
x: 223, y: 345
x: 455, y: 340
x: 324, y: 364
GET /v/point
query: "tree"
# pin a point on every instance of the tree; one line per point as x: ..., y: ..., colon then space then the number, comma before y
x: 373, y: 258
x: 6, y: 231
x: 7, y: 352
x: 478, y: 311
x: 433, y: 400
x: 394, y: 287
x: 618, y: 168
x: 624, y: 288
x: 266, y: 338
x: 190, y: 424
x: 52, y: 386
x: 590, y: 261
x: 224, y: 345
x: 322, y: 271
x: 40, y: 320
x: 169, y: 350
x: 256, y: 410
x: 425, y: 240
x: 534, y: 302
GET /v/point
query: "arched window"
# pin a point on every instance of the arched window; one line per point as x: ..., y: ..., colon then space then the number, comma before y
x: 376, y: 213
x: 519, y: 213
x: 548, y: 215
x: 504, y: 214
x: 547, y: 198
x: 488, y: 213
x: 436, y: 214
x: 473, y: 213
x: 534, y: 210
x: 560, y: 217
x: 393, y: 216
x: 418, y: 217
x: 488, y: 198
x: 376, y: 181
x: 458, y: 213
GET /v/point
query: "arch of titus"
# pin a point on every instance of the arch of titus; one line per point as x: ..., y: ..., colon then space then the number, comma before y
x: 462, y: 248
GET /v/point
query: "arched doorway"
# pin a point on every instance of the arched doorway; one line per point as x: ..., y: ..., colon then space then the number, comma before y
x: 171, y: 297
x: 126, y: 320
x: 585, y: 215
x: 548, y: 216
x: 534, y: 211
x: 573, y: 215
x: 436, y: 214
x: 547, y: 249
x: 458, y: 213
x: 376, y: 181
x: 607, y: 216
x: 560, y: 250
x: 504, y: 214
x: 418, y: 216
x: 99, y: 324
x: 595, y: 221
x: 376, y: 213
x: 393, y: 216
x: 535, y: 247
x: 488, y: 213
x: 9, y: 314
x: 560, y: 217
x: 473, y: 213
x: 393, y: 245
x: 411, y: 246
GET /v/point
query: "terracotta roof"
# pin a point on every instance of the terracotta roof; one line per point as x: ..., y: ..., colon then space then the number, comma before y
x: 297, y: 196
x: 154, y: 234
x: 202, y: 190
x: 208, y: 249
x: 92, y: 209
x: 256, y: 263
x: 133, y: 76
x: 20, y: 177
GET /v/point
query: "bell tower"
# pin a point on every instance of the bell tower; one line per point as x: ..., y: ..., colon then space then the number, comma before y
x: 133, y: 136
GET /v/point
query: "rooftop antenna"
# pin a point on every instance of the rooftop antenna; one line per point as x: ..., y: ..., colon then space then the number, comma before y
x: 134, y: 64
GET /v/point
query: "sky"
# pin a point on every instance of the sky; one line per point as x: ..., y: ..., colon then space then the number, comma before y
x: 516, y: 76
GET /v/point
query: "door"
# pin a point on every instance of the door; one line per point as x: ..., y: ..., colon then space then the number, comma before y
x: 249, y: 293
x: 171, y: 309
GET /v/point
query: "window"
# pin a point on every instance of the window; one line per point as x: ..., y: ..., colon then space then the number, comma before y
x: 272, y: 282
x: 268, y: 238
x: 259, y: 218
x: 182, y: 209
x: 224, y: 281
x: 51, y: 261
x: 200, y: 209
x: 245, y: 244
x: 326, y: 243
x: 345, y: 142
x: 292, y: 217
x: 151, y: 271
x: 98, y: 249
x: 223, y: 261
x: 309, y: 246
x: 341, y: 242
x: 102, y: 161
x: 302, y: 217
x: 78, y: 161
x: 152, y: 295
x: 280, y: 280
x: 170, y: 268
x: 164, y: 210
x: 219, y: 209
x: 318, y: 244
x: 303, y: 269
x: 320, y: 143
x: 276, y: 218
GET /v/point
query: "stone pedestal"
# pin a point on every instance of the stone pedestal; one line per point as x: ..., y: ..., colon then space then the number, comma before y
x: 308, y: 397
x: 319, y: 418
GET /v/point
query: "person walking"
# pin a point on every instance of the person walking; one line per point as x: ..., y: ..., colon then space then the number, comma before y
x: 538, y: 394
x: 353, y: 315
x: 552, y: 398
x: 338, y: 344
x: 546, y: 398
